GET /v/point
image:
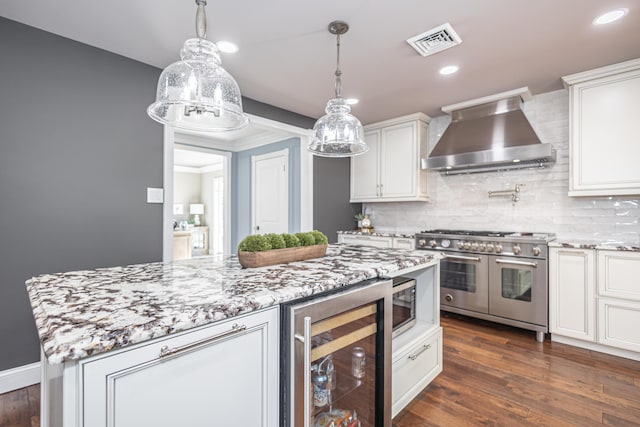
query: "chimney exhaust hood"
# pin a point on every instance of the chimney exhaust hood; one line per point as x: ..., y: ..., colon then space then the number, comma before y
x: 489, y: 134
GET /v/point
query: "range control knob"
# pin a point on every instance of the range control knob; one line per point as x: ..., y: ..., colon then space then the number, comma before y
x: 517, y: 250
x: 448, y: 297
x: 474, y: 246
x: 467, y: 245
x: 460, y: 244
x: 490, y: 247
x: 422, y: 243
x: 482, y: 247
x: 498, y: 249
x: 432, y: 243
x: 536, y: 251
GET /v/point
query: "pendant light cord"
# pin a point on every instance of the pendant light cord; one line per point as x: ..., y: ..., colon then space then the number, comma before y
x: 201, y: 19
x: 338, y: 72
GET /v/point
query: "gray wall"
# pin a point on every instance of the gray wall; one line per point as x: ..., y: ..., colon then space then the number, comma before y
x: 77, y: 152
x: 331, y: 208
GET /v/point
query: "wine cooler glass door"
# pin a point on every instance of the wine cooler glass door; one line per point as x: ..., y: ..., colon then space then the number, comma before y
x: 341, y: 362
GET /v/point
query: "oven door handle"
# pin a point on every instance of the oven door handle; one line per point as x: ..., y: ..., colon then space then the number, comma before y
x: 523, y: 263
x: 462, y: 258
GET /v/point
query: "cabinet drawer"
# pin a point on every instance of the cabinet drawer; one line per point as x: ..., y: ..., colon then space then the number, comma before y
x: 377, y: 241
x: 404, y: 243
x: 618, y: 323
x: 618, y: 273
x: 414, y: 369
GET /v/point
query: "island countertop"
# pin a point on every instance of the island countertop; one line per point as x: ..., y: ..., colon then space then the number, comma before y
x: 82, y: 313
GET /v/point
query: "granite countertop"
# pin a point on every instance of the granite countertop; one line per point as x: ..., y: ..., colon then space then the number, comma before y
x: 592, y: 244
x: 376, y: 233
x: 82, y: 313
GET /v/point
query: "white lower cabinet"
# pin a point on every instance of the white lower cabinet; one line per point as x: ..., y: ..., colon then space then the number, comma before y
x: 403, y: 243
x: 378, y: 241
x: 357, y: 239
x: 619, y: 302
x: 594, y: 299
x: 618, y: 323
x: 413, y: 368
x: 223, y: 374
x: 572, y: 275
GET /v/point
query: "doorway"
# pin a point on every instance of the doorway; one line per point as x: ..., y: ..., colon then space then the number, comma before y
x: 201, y: 222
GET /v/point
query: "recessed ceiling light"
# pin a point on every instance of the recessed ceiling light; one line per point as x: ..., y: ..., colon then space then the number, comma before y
x: 608, y: 17
x: 351, y: 101
x: 449, y: 69
x: 227, y: 47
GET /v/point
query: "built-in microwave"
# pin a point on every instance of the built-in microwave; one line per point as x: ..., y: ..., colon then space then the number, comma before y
x: 404, y: 304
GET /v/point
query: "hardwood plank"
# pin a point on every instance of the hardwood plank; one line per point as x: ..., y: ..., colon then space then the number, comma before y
x: 498, y: 375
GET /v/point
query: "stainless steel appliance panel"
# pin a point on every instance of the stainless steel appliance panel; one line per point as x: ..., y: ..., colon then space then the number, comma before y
x: 463, y: 282
x: 518, y: 289
x: 330, y: 326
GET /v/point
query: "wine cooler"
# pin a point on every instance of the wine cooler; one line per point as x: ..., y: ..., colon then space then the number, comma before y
x: 337, y: 348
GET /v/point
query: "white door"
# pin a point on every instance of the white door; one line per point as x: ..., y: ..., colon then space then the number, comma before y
x: 270, y: 192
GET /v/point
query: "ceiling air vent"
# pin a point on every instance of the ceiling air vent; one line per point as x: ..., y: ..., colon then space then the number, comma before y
x: 435, y: 40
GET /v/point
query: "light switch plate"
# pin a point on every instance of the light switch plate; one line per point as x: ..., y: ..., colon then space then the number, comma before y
x: 155, y: 195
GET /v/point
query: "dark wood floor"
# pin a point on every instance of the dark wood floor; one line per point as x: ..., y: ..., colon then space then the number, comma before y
x: 500, y: 376
x: 494, y: 376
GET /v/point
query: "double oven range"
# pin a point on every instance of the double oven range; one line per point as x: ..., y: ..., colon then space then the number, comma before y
x: 496, y: 276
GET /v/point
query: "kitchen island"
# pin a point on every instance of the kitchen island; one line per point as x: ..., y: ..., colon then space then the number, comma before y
x: 98, y: 327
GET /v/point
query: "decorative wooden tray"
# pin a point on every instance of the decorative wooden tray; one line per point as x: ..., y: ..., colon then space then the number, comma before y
x: 280, y: 256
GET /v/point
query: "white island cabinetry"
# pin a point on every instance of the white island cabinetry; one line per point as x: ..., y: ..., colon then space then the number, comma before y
x: 604, y: 129
x: 222, y: 374
x: 390, y: 171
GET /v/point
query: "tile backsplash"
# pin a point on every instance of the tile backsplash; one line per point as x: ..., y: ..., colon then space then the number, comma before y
x: 462, y: 201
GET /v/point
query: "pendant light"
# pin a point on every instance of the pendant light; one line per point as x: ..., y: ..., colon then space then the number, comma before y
x: 196, y: 93
x: 338, y: 133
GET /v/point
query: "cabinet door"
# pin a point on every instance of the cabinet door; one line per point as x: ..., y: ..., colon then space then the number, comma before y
x: 376, y: 241
x: 229, y: 378
x: 618, y: 273
x: 399, y: 165
x: 572, y: 293
x: 618, y: 322
x: 604, y: 135
x: 364, y: 170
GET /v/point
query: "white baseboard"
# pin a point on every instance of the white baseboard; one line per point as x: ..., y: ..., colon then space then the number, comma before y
x: 20, y: 377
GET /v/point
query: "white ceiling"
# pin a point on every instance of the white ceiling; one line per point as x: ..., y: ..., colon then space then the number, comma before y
x: 287, y: 56
x: 195, y: 159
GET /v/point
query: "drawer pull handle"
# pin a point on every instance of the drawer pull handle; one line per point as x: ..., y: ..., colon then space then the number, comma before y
x: 165, y: 351
x: 424, y: 348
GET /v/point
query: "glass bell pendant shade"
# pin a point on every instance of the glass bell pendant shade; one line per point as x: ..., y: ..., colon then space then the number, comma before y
x: 338, y: 133
x: 196, y: 93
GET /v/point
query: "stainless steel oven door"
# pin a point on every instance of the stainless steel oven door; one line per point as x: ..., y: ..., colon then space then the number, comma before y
x: 518, y: 289
x: 463, y: 282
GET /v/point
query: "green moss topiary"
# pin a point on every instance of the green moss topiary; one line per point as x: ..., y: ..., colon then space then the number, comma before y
x: 276, y: 241
x: 290, y: 240
x: 254, y: 243
x: 306, y: 239
x: 319, y: 237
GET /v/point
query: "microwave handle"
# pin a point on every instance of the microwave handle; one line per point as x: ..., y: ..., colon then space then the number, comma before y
x: 306, y: 341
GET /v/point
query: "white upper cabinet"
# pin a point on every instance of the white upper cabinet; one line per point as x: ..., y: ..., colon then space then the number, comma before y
x: 605, y: 130
x: 390, y: 171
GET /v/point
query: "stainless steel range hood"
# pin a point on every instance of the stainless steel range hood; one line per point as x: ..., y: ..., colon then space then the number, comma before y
x: 489, y: 134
